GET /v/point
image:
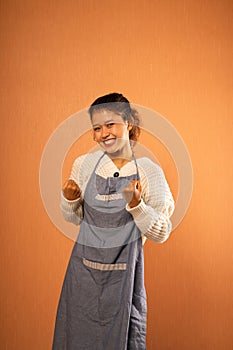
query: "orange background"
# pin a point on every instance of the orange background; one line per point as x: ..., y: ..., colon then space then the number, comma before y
x: 172, y: 56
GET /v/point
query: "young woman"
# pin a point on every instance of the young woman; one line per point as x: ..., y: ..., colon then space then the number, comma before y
x: 118, y: 202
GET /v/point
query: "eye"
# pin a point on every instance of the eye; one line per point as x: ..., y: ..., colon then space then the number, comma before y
x: 110, y: 125
x: 96, y: 128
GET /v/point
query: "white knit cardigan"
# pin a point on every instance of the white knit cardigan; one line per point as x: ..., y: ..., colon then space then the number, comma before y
x: 152, y: 215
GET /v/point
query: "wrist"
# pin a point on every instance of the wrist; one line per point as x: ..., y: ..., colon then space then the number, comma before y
x: 70, y: 198
x: 134, y: 204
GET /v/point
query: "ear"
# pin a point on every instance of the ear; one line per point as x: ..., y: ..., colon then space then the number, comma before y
x: 129, y: 127
x: 93, y: 135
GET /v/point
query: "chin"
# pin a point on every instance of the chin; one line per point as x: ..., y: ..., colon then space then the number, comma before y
x: 115, y: 150
x: 112, y: 151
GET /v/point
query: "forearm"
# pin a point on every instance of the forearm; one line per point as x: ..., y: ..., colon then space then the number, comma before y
x: 72, y: 210
x: 154, y: 223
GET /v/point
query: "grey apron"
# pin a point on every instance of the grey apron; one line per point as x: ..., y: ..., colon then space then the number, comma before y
x: 102, y: 304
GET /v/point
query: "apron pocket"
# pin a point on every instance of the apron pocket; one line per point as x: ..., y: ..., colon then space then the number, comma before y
x: 103, y: 295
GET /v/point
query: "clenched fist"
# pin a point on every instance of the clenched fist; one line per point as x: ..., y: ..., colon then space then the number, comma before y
x: 71, y: 190
x: 132, y: 193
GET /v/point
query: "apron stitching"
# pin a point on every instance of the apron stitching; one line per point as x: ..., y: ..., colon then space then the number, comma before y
x: 104, y: 267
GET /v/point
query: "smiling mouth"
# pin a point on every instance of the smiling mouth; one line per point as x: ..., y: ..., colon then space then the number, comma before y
x: 109, y: 142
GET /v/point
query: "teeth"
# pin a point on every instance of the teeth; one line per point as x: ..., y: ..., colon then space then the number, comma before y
x: 108, y: 141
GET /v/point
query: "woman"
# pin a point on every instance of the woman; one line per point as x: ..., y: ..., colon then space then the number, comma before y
x: 118, y: 202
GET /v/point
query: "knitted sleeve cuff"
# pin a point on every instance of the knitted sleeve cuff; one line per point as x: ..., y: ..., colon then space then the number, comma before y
x: 153, y: 224
x: 143, y: 215
x: 69, y: 206
x: 140, y: 209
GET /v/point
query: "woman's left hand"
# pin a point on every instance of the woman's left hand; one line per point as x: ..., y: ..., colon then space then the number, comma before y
x: 132, y: 193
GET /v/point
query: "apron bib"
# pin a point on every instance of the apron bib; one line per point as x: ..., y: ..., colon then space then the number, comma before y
x: 103, y: 300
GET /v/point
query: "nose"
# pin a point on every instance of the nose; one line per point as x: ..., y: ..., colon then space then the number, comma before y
x: 105, y: 132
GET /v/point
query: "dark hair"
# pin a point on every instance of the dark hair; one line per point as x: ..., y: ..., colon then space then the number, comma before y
x: 118, y: 104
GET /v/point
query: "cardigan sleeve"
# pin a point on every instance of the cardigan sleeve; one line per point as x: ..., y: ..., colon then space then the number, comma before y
x: 152, y: 214
x: 72, y: 210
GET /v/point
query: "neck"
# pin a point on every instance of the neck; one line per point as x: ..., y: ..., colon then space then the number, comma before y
x: 120, y: 162
x: 122, y: 157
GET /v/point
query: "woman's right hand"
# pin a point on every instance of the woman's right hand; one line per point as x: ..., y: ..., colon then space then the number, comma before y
x: 71, y: 190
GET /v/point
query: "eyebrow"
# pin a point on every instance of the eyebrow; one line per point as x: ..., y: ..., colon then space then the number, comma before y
x: 107, y: 121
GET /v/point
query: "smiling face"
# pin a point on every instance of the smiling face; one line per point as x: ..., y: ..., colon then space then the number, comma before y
x: 111, y: 132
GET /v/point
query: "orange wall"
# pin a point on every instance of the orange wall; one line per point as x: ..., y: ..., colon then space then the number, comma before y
x: 172, y: 56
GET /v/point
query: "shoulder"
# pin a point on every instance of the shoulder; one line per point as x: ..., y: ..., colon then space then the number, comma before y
x: 151, y: 174
x: 88, y: 159
x: 148, y: 166
x: 84, y: 165
x: 156, y: 185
